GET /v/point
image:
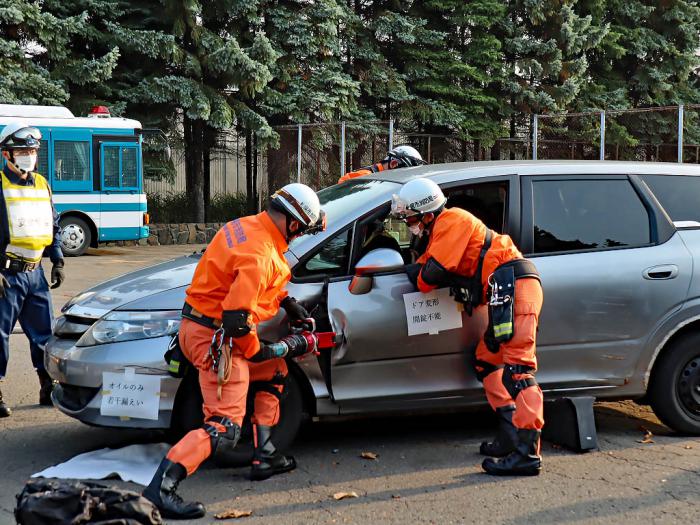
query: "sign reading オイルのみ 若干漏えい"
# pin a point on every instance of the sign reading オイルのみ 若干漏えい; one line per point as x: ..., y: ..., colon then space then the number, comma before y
x: 130, y: 395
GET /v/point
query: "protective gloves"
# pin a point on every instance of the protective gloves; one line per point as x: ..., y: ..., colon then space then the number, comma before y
x: 57, y: 274
x: 295, y: 311
x: 3, y: 285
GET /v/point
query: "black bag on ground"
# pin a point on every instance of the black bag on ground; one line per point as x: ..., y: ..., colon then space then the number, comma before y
x: 61, y: 502
x: 570, y: 422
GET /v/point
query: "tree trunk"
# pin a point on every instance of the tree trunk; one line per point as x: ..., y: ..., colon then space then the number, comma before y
x: 255, y: 200
x: 249, y: 170
x: 198, y: 170
x: 209, y: 141
x: 280, y: 161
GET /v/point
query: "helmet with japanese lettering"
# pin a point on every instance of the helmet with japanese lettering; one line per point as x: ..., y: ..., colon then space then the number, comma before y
x: 418, y: 197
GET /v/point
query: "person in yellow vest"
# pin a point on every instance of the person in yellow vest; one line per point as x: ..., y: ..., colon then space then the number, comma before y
x: 28, y: 230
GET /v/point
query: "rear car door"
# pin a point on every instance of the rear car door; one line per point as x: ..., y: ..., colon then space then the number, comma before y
x: 612, y: 267
x: 377, y: 365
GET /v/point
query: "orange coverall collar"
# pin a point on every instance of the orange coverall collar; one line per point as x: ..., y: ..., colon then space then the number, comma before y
x: 277, y: 237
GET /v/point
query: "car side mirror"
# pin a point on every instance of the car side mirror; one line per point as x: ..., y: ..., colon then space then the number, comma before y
x: 376, y: 261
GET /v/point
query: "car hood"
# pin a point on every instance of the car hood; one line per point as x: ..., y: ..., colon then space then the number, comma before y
x: 164, y: 283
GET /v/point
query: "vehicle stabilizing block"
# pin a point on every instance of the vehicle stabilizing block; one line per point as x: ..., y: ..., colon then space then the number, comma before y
x: 570, y: 422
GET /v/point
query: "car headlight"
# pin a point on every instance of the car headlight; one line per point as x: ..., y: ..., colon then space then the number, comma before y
x: 116, y: 327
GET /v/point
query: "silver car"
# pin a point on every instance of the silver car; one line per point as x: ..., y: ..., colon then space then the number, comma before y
x: 615, y: 243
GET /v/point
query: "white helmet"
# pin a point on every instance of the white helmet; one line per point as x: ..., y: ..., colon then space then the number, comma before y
x: 19, y: 135
x: 299, y: 202
x: 417, y: 197
x: 406, y: 156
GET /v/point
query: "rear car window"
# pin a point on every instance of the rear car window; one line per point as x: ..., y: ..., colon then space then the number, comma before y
x: 585, y: 215
x: 678, y: 194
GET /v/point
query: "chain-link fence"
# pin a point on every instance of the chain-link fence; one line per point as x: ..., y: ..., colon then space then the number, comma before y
x: 318, y: 154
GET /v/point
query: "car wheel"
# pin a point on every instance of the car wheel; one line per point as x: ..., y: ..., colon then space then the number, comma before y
x: 674, y: 391
x: 187, y: 415
x: 76, y: 236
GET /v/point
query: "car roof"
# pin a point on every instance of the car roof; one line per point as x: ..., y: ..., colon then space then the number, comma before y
x: 456, y: 171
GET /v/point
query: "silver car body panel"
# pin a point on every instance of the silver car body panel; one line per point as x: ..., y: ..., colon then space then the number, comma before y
x: 602, y: 326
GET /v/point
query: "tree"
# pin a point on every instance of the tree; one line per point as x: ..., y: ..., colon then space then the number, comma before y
x: 308, y: 81
x: 545, y: 45
x: 648, y: 58
x: 28, y: 36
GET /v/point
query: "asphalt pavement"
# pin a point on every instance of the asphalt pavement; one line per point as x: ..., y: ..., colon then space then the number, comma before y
x: 427, y: 468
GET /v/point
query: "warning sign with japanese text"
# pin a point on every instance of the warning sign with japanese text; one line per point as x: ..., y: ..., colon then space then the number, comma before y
x: 130, y: 395
x: 430, y: 313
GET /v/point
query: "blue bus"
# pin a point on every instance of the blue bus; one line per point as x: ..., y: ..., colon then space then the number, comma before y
x: 94, y: 166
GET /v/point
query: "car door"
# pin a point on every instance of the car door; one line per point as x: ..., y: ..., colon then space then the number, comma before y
x: 377, y: 365
x: 612, y: 268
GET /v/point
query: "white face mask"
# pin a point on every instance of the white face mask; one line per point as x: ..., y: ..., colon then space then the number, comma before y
x: 25, y: 162
x: 416, y: 230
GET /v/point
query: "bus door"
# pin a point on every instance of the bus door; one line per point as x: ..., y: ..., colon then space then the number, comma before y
x: 122, y: 200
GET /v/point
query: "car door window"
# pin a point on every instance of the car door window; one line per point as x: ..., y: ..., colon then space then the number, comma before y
x: 331, y: 259
x: 678, y: 194
x: 585, y: 215
x: 486, y: 201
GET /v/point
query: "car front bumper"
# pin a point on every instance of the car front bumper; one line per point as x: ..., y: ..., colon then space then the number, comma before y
x: 79, y: 373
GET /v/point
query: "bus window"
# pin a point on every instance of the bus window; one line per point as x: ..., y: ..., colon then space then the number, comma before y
x: 120, y: 167
x: 71, y: 161
x: 42, y: 163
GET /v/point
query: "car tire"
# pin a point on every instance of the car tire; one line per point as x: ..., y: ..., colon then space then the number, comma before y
x: 674, y: 390
x: 188, y: 415
x: 76, y: 236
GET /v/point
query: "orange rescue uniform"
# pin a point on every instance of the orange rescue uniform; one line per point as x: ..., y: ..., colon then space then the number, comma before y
x: 375, y: 168
x: 456, y: 239
x: 243, y: 268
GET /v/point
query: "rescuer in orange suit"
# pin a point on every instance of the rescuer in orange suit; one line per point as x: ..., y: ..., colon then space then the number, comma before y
x: 480, y: 267
x: 403, y: 156
x: 238, y: 283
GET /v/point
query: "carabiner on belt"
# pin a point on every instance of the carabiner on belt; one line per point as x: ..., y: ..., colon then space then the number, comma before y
x: 217, y: 343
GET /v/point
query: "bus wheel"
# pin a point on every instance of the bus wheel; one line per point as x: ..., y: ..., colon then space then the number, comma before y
x: 75, y: 236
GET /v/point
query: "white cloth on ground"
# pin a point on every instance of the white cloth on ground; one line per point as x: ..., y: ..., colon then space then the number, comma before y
x: 137, y: 463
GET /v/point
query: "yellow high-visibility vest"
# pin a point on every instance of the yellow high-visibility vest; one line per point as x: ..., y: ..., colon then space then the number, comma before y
x: 30, y: 218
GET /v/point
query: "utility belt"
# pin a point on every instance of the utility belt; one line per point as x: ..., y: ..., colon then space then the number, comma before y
x: 501, y: 300
x: 191, y: 313
x: 17, y: 265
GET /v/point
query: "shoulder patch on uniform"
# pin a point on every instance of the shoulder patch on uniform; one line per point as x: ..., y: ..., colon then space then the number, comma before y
x: 234, y: 229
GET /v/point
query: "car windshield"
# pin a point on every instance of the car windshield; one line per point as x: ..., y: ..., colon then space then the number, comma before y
x: 340, y: 200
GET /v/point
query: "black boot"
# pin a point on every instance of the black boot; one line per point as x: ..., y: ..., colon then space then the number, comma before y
x: 506, y: 438
x: 266, y: 460
x: 4, y: 409
x: 46, y: 387
x: 161, y: 492
x: 524, y: 461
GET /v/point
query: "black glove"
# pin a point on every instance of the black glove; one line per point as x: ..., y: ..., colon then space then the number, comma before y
x: 57, y: 274
x: 295, y: 311
x: 412, y: 270
x: 3, y: 285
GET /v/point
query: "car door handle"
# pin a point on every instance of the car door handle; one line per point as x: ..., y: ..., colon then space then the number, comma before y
x: 657, y: 273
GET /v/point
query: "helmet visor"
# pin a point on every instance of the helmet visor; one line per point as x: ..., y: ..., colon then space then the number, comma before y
x: 26, y: 133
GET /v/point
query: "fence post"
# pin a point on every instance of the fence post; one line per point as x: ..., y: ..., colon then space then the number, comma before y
x: 602, y: 135
x: 342, y: 148
x: 299, y: 154
x: 681, y: 109
x: 391, y: 134
x: 534, y: 137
